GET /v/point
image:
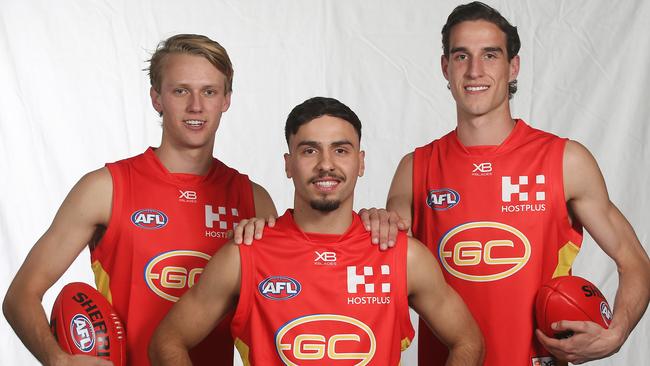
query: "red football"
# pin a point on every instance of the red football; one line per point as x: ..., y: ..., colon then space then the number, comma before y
x: 570, y: 298
x: 84, y: 323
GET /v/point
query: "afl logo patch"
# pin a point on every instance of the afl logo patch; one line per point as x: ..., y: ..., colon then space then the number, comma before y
x: 279, y: 288
x: 149, y: 218
x: 605, y: 312
x: 442, y: 199
x: 82, y: 332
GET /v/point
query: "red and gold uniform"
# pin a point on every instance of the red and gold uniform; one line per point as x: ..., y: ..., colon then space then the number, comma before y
x: 164, y: 227
x: 496, y: 219
x: 319, y: 299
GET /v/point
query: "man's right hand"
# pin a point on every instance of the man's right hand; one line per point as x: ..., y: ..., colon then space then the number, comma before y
x: 249, y: 229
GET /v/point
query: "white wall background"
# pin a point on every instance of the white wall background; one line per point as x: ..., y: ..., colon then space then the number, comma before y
x: 73, y: 96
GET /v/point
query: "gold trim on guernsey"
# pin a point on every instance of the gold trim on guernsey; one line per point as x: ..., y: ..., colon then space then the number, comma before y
x: 243, y: 351
x: 405, y: 343
x: 102, y: 281
x: 565, y: 257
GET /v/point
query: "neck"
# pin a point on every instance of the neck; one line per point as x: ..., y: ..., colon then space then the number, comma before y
x: 185, y: 160
x: 315, y: 221
x: 485, y: 130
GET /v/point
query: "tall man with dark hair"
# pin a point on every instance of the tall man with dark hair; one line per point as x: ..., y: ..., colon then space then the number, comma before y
x: 313, y: 289
x: 502, y: 205
x: 152, y: 221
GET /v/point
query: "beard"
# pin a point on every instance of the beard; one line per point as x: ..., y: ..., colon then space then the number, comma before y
x: 325, y: 205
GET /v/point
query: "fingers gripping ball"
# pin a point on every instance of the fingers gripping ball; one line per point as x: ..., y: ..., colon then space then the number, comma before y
x: 84, y: 323
x: 570, y: 298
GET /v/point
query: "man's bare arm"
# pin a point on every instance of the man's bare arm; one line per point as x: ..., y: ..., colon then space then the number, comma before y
x: 442, y: 308
x: 400, y: 195
x: 265, y: 212
x: 587, y: 197
x: 199, y: 309
x: 86, y: 209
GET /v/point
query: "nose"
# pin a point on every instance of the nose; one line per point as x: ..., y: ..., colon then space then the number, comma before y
x: 325, y: 162
x: 194, y: 103
x: 475, y: 68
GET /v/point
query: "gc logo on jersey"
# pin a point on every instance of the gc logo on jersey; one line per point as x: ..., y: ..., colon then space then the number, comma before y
x: 442, y: 199
x: 82, y: 332
x: 279, y: 288
x: 467, y: 258
x: 149, y: 218
x: 172, y: 273
x: 325, y: 339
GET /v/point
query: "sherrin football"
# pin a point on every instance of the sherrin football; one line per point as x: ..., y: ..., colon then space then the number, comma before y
x: 570, y: 298
x: 84, y: 323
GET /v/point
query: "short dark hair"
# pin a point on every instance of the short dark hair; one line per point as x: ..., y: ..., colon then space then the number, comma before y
x: 479, y: 11
x: 316, y: 107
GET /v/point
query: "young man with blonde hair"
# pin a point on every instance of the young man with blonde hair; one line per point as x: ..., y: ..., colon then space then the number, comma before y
x: 152, y: 221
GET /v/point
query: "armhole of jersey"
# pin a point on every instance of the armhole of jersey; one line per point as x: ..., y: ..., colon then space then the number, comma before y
x: 418, y: 185
x: 247, y: 195
x: 113, y: 227
x: 573, y: 232
x: 244, y: 303
x: 407, y: 332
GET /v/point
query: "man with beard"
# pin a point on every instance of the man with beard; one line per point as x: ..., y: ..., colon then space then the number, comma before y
x: 314, y: 288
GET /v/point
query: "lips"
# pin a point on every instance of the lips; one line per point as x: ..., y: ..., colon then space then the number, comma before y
x: 326, y: 183
x: 194, y: 123
x: 476, y: 88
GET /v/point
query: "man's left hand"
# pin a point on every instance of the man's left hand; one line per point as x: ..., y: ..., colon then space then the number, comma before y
x: 589, y: 341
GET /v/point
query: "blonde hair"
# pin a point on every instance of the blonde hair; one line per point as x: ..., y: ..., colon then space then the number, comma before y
x: 190, y: 44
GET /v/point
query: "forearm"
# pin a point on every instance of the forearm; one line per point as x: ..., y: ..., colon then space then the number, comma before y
x: 465, y: 354
x: 165, y: 349
x: 169, y: 354
x: 27, y: 317
x: 631, y: 300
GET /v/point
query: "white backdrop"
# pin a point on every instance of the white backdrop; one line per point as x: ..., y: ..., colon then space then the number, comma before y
x: 74, y: 96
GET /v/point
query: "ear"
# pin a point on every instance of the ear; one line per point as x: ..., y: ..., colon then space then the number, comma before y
x: 514, y: 68
x: 287, y: 160
x: 444, y: 64
x: 155, y: 100
x: 226, y: 102
x: 362, y: 162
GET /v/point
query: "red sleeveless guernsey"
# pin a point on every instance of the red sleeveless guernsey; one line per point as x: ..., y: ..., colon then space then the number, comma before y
x: 163, y: 229
x: 496, y: 219
x: 318, y: 299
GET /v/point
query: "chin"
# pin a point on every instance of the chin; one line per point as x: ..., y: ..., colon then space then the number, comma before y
x: 325, y: 205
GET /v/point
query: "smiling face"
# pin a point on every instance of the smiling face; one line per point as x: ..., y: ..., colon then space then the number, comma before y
x: 324, y: 161
x: 478, y: 69
x: 192, y: 98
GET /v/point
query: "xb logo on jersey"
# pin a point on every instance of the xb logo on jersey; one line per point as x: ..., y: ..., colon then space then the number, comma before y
x: 172, y: 273
x: 325, y: 258
x: 482, y: 169
x: 488, y: 260
x: 330, y: 339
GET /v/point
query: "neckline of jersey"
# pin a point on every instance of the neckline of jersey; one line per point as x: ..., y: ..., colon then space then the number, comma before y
x: 183, y: 179
x: 493, y: 150
x: 320, y: 239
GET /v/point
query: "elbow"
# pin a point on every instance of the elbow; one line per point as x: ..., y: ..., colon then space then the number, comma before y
x: 8, y: 306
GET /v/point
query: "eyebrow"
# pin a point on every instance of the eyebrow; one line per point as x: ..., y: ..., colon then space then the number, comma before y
x: 485, y: 49
x: 316, y: 144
